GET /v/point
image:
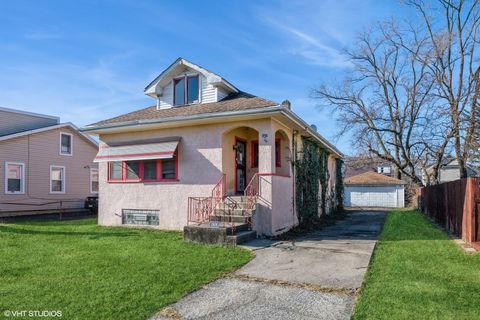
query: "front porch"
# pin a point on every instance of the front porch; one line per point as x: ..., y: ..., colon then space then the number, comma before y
x: 246, y: 151
x: 242, y: 202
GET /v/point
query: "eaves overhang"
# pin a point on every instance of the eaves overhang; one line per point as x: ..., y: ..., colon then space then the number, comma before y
x: 205, y: 118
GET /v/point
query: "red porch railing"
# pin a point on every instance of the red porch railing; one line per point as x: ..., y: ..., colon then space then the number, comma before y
x: 219, y: 191
x: 201, y: 208
x: 252, y: 191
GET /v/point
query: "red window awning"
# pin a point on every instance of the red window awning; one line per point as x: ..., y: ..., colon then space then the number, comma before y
x: 159, y: 150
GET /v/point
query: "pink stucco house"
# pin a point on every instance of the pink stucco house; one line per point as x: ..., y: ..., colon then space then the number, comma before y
x: 206, y: 155
x: 45, y: 165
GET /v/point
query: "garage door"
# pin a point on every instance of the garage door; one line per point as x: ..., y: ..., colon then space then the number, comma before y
x: 373, y: 196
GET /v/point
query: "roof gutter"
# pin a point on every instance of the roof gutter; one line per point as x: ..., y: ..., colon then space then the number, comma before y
x: 202, y: 116
x: 301, y: 123
x: 260, y: 111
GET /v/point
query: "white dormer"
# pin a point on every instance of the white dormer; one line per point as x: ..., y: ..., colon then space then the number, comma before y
x: 185, y: 83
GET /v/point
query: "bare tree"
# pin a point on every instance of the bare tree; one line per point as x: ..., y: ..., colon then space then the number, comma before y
x: 452, y: 28
x: 414, y: 90
x: 387, y: 101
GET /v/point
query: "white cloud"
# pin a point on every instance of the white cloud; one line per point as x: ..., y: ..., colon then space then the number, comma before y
x: 317, y: 31
x: 313, y: 49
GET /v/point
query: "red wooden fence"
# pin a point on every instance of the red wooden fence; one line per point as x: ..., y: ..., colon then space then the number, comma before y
x: 456, y: 206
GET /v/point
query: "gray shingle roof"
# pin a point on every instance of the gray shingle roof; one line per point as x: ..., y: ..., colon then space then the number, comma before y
x: 372, y: 178
x: 234, y: 102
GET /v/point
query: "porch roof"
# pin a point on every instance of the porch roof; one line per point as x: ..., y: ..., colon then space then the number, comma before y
x: 147, y: 151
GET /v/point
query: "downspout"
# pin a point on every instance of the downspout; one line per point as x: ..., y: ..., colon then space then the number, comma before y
x: 294, y: 159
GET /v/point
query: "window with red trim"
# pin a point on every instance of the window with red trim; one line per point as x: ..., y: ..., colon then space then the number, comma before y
x: 255, y: 154
x: 143, y: 170
x: 278, y: 156
x: 115, y: 170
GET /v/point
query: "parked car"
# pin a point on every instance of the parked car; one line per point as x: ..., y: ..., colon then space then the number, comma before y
x: 91, y: 203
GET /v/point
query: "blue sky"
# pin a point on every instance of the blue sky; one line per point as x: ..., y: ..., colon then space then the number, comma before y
x: 90, y: 60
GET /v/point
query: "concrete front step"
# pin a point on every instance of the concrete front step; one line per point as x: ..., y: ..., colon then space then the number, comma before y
x: 233, y: 206
x: 206, y: 233
x: 238, y: 198
x: 241, y: 237
x: 234, y: 212
x: 237, y: 226
x: 230, y: 218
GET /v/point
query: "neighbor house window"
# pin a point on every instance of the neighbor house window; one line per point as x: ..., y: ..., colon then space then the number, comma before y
x: 93, y: 180
x: 144, y: 170
x: 386, y: 170
x: 14, y: 178
x: 57, y: 179
x: 65, y: 144
x: 185, y: 90
x: 278, y: 156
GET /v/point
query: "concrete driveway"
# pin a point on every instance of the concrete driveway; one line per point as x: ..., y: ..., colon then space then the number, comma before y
x: 310, y: 277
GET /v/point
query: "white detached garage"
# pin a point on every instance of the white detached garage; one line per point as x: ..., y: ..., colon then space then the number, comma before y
x: 371, y: 189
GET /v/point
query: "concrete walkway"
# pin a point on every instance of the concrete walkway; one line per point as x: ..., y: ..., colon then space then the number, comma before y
x: 311, y: 277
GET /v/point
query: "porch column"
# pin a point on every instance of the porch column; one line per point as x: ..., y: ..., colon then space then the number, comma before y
x: 266, y: 164
x: 266, y: 150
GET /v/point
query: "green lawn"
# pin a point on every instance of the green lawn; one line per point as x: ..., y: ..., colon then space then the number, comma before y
x: 92, y: 272
x: 417, y: 272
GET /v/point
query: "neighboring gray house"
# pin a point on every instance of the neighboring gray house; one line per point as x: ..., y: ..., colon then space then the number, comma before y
x: 450, y: 171
x: 14, y: 121
x: 44, y: 164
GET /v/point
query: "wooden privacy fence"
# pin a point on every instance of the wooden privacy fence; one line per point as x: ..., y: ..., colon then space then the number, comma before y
x: 454, y: 205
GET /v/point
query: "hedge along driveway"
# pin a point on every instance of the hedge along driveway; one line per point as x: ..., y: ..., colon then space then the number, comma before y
x: 418, y: 272
x: 92, y: 272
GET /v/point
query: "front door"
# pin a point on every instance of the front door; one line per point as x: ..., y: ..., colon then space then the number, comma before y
x: 240, y: 165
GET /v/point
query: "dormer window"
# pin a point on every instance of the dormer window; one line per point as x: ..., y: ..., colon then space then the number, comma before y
x: 185, y: 90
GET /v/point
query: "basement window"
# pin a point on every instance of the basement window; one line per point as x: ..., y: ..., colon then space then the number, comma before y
x: 143, y: 217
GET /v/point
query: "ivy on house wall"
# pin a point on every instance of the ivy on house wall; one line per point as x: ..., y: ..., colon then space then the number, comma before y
x: 339, y: 183
x: 324, y: 176
x: 311, y: 182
